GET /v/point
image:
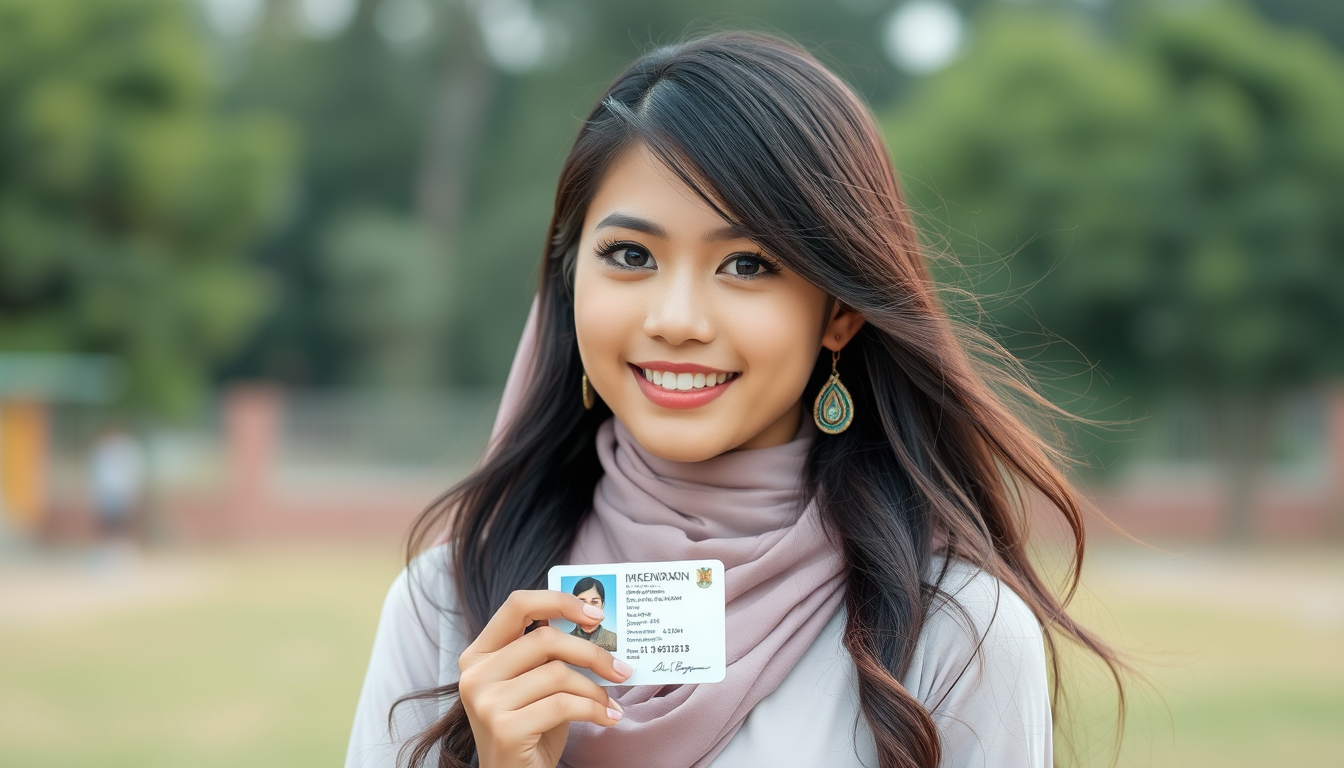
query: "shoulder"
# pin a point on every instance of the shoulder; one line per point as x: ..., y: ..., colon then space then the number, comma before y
x: 424, y: 589
x: 421, y: 628
x: 972, y: 605
x: 980, y: 669
x: 978, y: 631
x: 415, y: 648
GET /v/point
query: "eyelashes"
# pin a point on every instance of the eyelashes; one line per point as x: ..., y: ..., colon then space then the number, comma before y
x: 759, y: 261
x: 606, y: 248
x: 744, y: 265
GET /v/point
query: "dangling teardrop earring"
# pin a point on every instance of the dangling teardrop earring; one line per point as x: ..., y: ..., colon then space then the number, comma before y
x: 588, y: 400
x: 834, y: 409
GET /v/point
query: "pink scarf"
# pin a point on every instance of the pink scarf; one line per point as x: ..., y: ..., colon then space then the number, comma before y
x: 784, y: 579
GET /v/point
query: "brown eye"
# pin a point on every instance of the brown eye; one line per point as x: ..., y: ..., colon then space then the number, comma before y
x: 633, y: 257
x: 746, y: 265
x: 626, y: 255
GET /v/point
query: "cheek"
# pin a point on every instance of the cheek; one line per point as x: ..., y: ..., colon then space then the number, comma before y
x: 603, y: 320
x: 778, y: 339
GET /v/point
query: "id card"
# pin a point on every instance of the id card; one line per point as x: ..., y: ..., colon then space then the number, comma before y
x: 666, y: 620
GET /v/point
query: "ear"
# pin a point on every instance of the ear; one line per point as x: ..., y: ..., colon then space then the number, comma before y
x: 844, y: 323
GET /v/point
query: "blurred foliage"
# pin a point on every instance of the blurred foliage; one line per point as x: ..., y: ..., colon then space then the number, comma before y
x: 1143, y: 160
x: 461, y: 128
x: 1164, y: 178
x: 1167, y: 196
x: 360, y: 106
x: 128, y: 205
x: 1318, y: 17
x: 384, y: 279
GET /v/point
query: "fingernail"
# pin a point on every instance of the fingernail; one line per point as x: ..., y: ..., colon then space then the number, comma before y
x: 593, y: 611
x: 615, y: 704
x: 613, y: 714
x: 622, y: 669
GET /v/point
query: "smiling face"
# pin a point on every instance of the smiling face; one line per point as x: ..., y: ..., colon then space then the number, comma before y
x: 698, y: 340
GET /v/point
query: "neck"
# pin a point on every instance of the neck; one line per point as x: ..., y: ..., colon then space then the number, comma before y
x: 780, y: 431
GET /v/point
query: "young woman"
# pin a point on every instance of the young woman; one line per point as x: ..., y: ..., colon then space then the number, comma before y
x: 736, y: 352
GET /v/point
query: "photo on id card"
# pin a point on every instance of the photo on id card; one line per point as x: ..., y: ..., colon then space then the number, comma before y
x: 665, y: 619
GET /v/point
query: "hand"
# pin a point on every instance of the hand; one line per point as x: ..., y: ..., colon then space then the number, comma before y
x: 519, y: 694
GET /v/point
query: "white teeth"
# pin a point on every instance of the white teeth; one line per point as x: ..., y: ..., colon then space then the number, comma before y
x: 684, y: 382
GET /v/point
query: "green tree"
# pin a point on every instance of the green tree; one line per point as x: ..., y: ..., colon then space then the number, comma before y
x: 1170, y: 201
x: 384, y: 277
x: 128, y: 206
x: 1321, y: 17
x: 360, y: 105
x: 459, y: 136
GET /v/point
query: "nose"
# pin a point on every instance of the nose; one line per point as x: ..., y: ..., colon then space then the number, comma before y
x: 679, y: 310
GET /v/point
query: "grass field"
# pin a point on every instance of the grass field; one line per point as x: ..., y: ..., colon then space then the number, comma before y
x: 255, y: 657
x: 1242, y: 657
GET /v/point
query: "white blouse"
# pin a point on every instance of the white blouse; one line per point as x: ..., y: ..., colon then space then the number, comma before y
x: 989, y: 699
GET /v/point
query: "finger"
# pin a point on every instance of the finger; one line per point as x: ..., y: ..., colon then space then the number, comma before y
x: 525, y: 606
x: 549, y: 678
x: 546, y: 644
x: 558, y: 709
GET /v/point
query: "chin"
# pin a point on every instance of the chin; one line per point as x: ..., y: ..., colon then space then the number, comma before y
x: 682, y: 457
x: 681, y: 439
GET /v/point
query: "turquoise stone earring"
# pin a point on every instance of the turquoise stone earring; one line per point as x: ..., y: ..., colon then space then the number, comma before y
x: 834, y: 409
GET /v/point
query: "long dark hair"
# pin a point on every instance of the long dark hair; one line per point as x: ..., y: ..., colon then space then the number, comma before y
x: 782, y: 148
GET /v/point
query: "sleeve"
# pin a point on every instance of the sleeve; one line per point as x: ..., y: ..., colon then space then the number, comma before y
x: 980, y: 670
x: 412, y: 651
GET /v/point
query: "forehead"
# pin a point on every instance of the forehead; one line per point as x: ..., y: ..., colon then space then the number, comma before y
x: 639, y: 184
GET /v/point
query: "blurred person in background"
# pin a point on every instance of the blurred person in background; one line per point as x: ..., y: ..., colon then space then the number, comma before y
x: 117, y: 469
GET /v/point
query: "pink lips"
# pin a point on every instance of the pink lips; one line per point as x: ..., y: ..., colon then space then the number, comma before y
x: 676, y: 398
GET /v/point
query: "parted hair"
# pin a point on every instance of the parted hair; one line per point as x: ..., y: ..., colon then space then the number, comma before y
x: 946, y: 444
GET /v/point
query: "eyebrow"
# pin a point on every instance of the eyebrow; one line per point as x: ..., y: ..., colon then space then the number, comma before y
x: 729, y: 232
x: 626, y: 221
